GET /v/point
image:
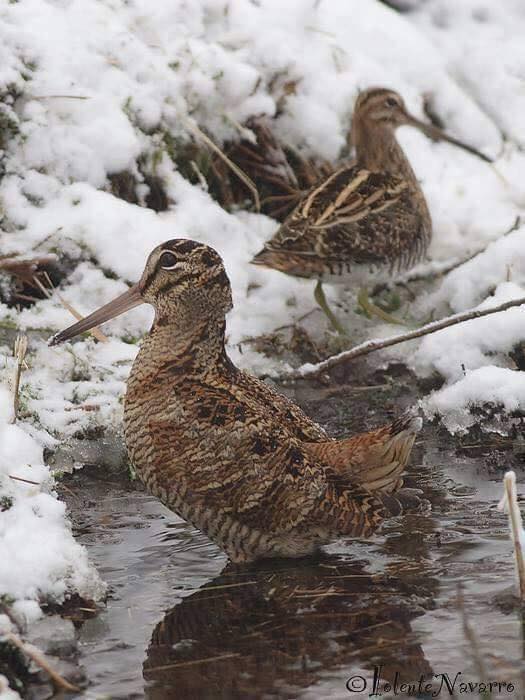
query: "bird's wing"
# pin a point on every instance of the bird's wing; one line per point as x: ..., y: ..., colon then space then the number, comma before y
x: 355, y: 216
x: 348, y: 196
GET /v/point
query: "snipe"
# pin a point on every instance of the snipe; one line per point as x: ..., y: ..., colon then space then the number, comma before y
x: 224, y: 450
x: 369, y: 220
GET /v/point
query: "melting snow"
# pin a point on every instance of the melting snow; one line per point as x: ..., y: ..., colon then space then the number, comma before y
x: 89, y: 89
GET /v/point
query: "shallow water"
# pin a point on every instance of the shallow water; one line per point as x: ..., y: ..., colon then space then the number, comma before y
x: 181, y: 623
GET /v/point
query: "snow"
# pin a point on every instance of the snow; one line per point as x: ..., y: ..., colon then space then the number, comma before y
x: 90, y: 90
x: 473, y: 344
x: 39, y: 557
x: 497, y: 386
x: 6, y: 693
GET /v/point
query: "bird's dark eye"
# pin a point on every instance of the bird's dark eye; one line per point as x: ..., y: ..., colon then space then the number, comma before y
x: 391, y: 102
x: 167, y: 260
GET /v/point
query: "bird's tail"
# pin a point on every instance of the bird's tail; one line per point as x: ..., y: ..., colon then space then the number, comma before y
x: 375, y: 460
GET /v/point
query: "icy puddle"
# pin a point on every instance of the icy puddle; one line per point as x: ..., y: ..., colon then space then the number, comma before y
x: 180, y: 623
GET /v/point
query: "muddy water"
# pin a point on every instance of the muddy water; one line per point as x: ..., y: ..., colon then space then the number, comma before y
x: 181, y: 623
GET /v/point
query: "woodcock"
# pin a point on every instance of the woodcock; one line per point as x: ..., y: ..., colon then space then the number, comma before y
x: 224, y: 450
x: 369, y: 220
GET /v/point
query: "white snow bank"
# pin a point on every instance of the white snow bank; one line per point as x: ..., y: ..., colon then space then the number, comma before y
x: 501, y: 388
x: 473, y: 357
x: 475, y: 343
x: 39, y: 558
x: 489, y: 60
x: 7, y: 693
x: 468, y: 285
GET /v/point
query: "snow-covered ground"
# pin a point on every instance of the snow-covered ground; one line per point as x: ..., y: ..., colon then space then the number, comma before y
x: 89, y: 90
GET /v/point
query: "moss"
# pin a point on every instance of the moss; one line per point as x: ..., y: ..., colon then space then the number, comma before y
x: 131, y: 339
x: 8, y: 324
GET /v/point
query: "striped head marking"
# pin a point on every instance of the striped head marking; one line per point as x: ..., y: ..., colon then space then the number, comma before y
x: 181, y: 269
x: 381, y: 105
x: 183, y: 280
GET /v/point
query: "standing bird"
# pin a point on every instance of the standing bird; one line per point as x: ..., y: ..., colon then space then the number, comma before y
x: 224, y: 450
x: 367, y: 221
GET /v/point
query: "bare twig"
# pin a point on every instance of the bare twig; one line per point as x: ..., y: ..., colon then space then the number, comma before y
x: 96, y: 332
x: 24, y: 269
x: 20, y: 351
x: 35, y: 655
x: 192, y: 126
x: 13, y: 264
x: 310, y: 370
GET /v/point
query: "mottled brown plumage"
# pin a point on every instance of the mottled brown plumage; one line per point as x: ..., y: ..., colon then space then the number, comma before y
x: 369, y: 220
x: 222, y: 448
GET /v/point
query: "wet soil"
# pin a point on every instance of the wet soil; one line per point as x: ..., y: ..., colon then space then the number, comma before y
x: 431, y: 595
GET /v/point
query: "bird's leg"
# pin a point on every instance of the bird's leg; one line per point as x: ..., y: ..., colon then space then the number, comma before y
x: 372, y: 309
x: 320, y: 298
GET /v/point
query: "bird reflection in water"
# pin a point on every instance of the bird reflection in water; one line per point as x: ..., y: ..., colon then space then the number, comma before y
x: 273, y: 629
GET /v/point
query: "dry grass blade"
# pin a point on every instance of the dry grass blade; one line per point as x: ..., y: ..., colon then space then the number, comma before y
x: 61, y: 97
x: 25, y: 481
x: 24, y: 270
x: 195, y: 662
x: 96, y: 332
x: 235, y: 168
x: 36, y: 656
x: 313, y: 370
x: 229, y: 585
x: 19, y: 353
x: 509, y: 502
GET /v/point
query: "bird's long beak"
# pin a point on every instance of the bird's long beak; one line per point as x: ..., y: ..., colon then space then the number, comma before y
x: 114, y: 308
x: 436, y: 134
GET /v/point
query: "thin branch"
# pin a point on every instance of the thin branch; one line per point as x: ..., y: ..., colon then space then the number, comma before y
x: 192, y: 126
x: 25, y: 481
x: 37, y: 657
x: 10, y: 263
x: 310, y: 370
